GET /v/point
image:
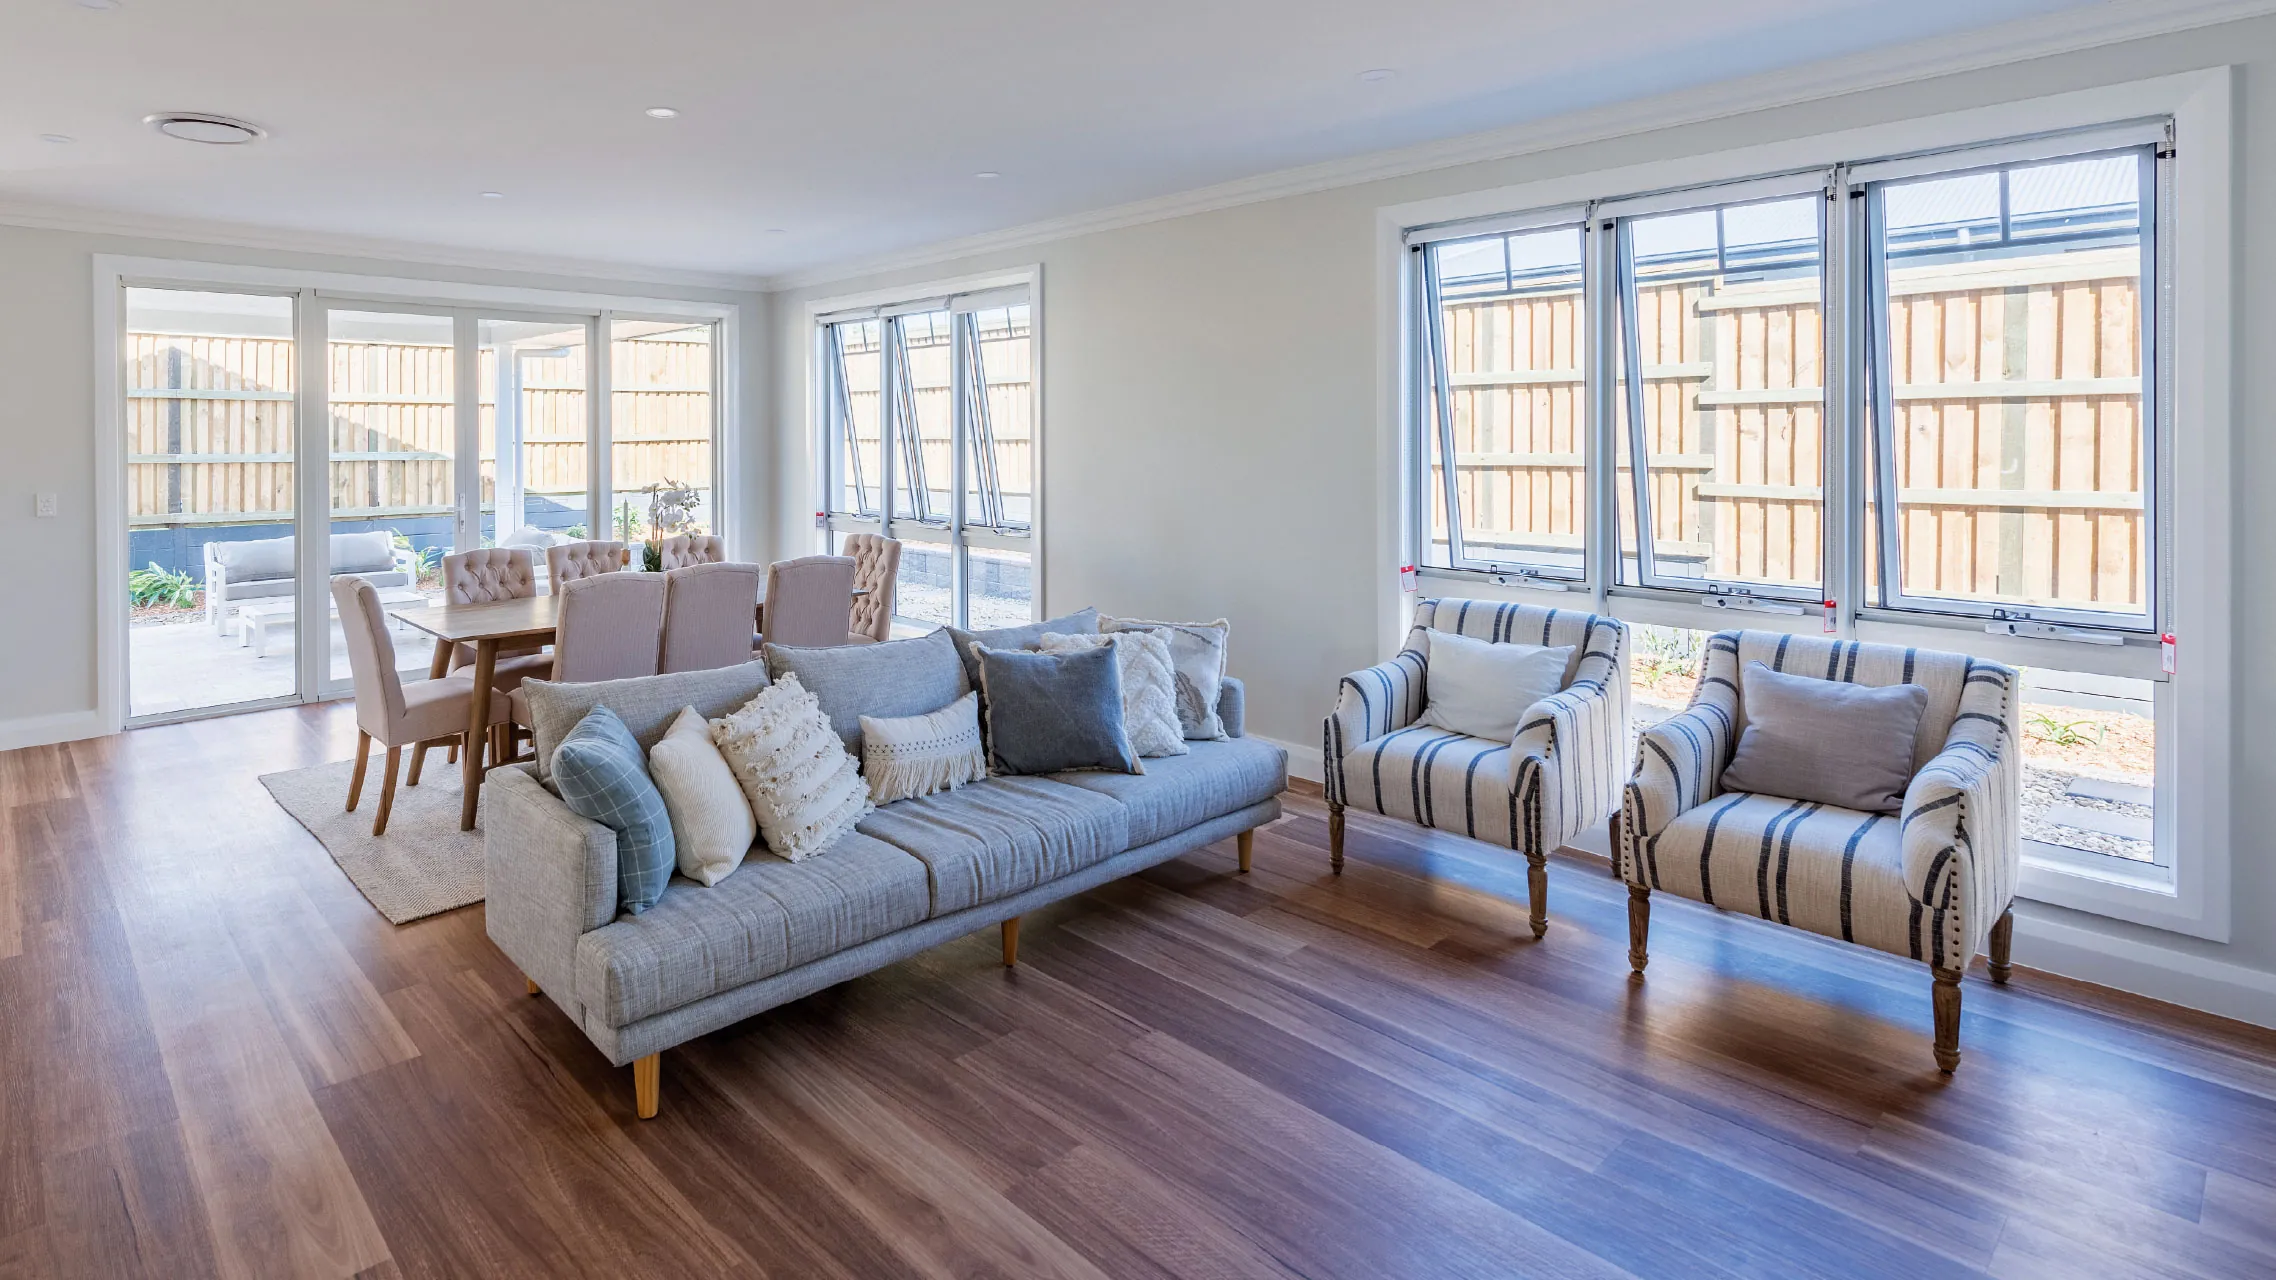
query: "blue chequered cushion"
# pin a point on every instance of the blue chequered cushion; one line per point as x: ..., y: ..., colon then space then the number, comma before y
x: 603, y: 775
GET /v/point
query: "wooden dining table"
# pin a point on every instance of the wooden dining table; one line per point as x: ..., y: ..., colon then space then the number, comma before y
x: 488, y: 627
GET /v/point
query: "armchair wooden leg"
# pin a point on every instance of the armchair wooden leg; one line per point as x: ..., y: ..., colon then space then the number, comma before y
x: 1537, y: 893
x: 2002, y: 946
x: 647, y: 1085
x: 1947, y: 1020
x: 356, y: 779
x: 418, y: 758
x: 1639, y: 927
x: 1614, y: 828
x: 1011, y: 942
x: 1335, y: 838
x: 387, y: 791
x: 1246, y: 842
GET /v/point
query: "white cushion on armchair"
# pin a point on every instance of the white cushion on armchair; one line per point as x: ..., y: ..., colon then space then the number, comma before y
x: 1483, y: 689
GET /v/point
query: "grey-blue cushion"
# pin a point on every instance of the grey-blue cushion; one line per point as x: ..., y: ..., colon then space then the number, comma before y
x: 1083, y: 622
x: 999, y: 836
x: 603, y: 775
x: 1048, y: 712
x: 898, y: 678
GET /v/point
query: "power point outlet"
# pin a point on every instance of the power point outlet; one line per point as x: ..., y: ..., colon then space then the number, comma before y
x: 43, y: 505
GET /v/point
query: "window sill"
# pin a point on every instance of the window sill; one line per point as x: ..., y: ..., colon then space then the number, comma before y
x: 2146, y: 894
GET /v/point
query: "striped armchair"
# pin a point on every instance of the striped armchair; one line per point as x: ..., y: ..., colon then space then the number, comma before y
x: 1559, y: 775
x: 1931, y: 884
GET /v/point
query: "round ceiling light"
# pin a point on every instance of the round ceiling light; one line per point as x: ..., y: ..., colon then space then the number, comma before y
x: 100, y: 6
x: 662, y: 113
x: 1376, y: 75
x: 195, y: 126
x: 493, y: 195
x: 987, y: 175
x: 56, y: 139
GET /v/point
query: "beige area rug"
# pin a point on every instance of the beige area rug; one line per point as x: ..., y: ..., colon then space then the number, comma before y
x: 422, y: 866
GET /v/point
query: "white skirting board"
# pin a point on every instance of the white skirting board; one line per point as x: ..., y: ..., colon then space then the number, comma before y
x: 38, y: 731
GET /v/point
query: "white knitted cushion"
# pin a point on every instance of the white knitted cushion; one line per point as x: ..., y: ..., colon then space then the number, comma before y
x: 712, y: 824
x: 1149, y: 686
x: 804, y: 789
x: 905, y: 756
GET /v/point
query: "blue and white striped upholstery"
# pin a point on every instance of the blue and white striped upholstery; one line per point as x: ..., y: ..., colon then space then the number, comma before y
x: 1561, y: 773
x: 1928, y: 884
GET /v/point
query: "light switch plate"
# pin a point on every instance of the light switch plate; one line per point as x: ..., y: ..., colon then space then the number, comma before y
x: 43, y: 505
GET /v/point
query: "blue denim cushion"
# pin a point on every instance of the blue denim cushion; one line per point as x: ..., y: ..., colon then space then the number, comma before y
x: 1083, y: 622
x: 1053, y: 711
x: 603, y: 775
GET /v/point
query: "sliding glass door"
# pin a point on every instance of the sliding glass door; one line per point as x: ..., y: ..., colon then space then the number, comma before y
x: 537, y: 415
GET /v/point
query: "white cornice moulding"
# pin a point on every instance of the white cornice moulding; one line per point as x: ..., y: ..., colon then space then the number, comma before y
x: 2019, y: 41
x: 239, y: 236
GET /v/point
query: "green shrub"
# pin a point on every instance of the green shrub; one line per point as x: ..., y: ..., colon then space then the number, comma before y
x: 170, y: 588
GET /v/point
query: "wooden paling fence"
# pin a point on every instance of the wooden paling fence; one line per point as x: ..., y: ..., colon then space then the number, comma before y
x: 1010, y: 414
x: 2018, y: 442
x: 210, y: 437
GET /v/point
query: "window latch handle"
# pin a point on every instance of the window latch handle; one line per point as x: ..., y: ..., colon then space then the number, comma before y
x: 2050, y: 631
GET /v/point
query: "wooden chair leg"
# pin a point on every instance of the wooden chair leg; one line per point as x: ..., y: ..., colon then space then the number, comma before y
x: 452, y: 758
x: 418, y: 758
x: 387, y: 790
x: 1947, y: 1020
x: 1639, y: 927
x: 1011, y: 942
x: 1614, y: 827
x: 647, y: 1085
x: 356, y: 779
x: 1246, y: 842
x: 1537, y: 893
x: 1335, y: 838
x: 2002, y: 946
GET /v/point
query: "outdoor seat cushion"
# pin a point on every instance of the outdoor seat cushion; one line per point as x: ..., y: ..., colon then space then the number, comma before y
x: 1832, y: 871
x: 1176, y: 792
x: 1000, y: 836
x: 253, y: 559
x: 1433, y: 778
x: 767, y: 917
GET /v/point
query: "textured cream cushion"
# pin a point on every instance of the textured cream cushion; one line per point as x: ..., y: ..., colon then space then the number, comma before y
x: 1481, y: 688
x: 1197, y: 651
x: 1149, y: 686
x: 804, y: 789
x: 907, y: 756
x: 711, y: 821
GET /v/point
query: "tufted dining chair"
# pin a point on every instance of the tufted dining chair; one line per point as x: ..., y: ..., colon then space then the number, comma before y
x: 389, y: 711
x: 573, y: 560
x: 806, y: 601
x: 707, y: 615
x: 610, y: 627
x: 491, y: 574
x: 684, y: 549
x: 877, y: 566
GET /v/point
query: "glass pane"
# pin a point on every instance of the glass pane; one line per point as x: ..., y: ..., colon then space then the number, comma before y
x: 2090, y: 763
x: 1729, y: 327
x: 392, y: 396
x: 660, y: 424
x: 924, y: 417
x: 999, y: 490
x: 209, y: 437
x: 1001, y: 588
x: 855, y: 435
x: 921, y: 591
x: 2016, y: 363
x: 1663, y: 670
x: 534, y: 415
x: 1513, y: 322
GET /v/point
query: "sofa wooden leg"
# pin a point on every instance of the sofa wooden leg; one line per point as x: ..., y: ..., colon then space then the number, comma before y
x: 647, y: 1085
x: 530, y: 983
x: 1614, y: 828
x: 1537, y: 893
x: 1335, y: 838
x: 1947, y: 1020
x: 1011, y: 942
x: 2002, y: 946
x: 356, y: 779
x: 1246, y: 842
x: 387, y: 790
x: 1639, y: 926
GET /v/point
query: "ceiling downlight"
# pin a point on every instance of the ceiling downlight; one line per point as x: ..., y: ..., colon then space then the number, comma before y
x: 211, y: 130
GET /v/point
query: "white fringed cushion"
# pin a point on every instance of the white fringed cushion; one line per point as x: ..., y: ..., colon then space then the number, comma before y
x: 907, y: 756
x: 805, y: 790
x: 712, y: 825
x: 1149, y: 686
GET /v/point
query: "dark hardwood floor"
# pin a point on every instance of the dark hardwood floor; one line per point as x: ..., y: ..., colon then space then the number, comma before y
x: 216, y: 1059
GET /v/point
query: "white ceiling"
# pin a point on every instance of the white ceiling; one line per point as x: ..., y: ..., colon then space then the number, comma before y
x: 856, y: 126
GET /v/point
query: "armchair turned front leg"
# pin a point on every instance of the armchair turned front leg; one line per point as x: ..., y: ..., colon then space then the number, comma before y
x: 1537, y: 893
x: 1947, y: 1020
x: 1335, y: 838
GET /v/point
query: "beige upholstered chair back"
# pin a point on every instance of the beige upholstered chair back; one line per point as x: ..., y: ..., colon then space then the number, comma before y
x: 371, y: 657
x: 610, y: 627
x: 573, y: 560
x: 877, y: 566
x: 683, y: 549
x: 710, y: 611
x: 492, y: 573
x: 807, y: 599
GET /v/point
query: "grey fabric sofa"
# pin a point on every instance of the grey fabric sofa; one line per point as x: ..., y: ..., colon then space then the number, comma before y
x: 263, y: 568
x: 913, y: 875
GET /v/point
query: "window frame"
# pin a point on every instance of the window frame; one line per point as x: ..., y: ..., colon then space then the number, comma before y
x: 2198, y: 417
x: 951, y: 530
